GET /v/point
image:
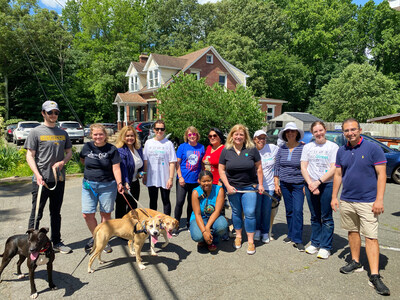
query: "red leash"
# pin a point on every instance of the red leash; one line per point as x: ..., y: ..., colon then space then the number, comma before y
x: 123, y: 194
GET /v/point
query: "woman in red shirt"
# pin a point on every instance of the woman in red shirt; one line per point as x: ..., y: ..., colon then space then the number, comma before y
x: 213, y: 152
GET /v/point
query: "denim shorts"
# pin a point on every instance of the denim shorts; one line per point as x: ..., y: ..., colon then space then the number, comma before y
x: 106, y: 192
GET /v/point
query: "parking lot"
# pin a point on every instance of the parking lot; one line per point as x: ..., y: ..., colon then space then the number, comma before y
x: 181, y: 271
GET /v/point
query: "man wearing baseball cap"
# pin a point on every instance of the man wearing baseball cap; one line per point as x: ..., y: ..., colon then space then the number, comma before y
x: 48, y: 147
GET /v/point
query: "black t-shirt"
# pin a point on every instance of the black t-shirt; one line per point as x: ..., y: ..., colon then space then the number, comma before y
x: 240, y: 169
x: 99, y: 161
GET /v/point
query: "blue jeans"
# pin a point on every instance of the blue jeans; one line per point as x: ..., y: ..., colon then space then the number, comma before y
x: 322, y: 225
x: 294, y: 200
x: 219, y: 228
x: 263, y: 212
x: 246, y: 203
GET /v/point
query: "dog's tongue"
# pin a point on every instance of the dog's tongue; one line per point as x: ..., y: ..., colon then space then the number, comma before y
x: 169, y: 234
x: 34, y: 255
x: 154, y: 239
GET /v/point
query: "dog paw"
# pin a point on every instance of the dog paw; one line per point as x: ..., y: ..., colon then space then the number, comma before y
x: 164, y: 245
x: 154, y: 254
x: 20, y: 276
x: 132, y: 253
x: 101, y: 262
x: 53, y: 287
x: 34, y: 295
x: 90, y: 270
x: 142, y: 267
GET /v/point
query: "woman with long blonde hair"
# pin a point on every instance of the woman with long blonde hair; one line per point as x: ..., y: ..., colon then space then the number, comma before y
x: 130, y: 151
x: 240, y: 171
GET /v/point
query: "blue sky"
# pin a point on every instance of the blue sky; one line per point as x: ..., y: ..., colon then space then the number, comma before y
x: 57, y: 4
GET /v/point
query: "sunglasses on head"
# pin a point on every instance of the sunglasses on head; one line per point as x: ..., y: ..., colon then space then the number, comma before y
x: 210, y: 136
x: 159, y: 129
x: 53, y: 112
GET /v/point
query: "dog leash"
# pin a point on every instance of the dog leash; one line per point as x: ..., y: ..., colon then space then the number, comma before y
x: 39, y: 195
x: 130, y: 194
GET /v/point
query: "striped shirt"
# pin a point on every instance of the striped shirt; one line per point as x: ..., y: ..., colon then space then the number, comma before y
x: 287, y: 164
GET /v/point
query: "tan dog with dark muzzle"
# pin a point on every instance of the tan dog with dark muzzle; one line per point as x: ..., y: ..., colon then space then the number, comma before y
x: 168, y: 225
x: 133, y: 229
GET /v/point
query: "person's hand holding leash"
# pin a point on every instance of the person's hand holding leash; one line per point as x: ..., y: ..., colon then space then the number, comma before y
x: 59, y: 165
x: 261, y: 189
x: 230, y: 190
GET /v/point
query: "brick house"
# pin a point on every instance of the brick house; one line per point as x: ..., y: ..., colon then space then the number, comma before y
x: 156, y: 70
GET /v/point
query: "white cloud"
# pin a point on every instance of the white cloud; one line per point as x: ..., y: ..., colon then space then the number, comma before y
x: 53, y: 3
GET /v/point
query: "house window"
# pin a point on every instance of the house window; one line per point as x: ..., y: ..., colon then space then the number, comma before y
x: 209, y: 58
x: 196, y: 74
x: 153, y: 77
x: 134, y: 83
x: 270, y: 112
x: 222, y: 80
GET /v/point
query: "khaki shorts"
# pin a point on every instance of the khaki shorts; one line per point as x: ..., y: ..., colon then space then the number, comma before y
x: 358, y: 216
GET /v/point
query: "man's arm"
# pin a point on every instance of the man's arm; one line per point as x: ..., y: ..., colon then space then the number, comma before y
x: 337, y: 182
x: 377, y: 208
x: 30, y: 159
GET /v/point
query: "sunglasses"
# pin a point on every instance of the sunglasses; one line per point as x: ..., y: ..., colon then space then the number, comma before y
x: 53, y: 112
x: 192, y: 134
x: 212, y: 136
x: 159, y: 129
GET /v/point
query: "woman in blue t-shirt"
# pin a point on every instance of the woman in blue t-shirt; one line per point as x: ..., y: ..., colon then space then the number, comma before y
x: 206, y: 223
x: 188, y: 166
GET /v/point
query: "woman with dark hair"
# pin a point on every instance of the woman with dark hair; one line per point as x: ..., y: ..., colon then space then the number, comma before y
x: 290, y: 183
x: 188, y: 167
x: 159, y: 160
x: 206, y: 223
x: 318, y: 167
x: 131, y: 153
x: 213, y: 152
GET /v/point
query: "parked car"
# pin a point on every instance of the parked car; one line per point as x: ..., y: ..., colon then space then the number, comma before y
x: 392, y: 155
x: 144, y: 130
x: 112, y: 128
x: 272, y: 135
x: 74, y: 130
x: 22, y: 130
x: 9, y: 132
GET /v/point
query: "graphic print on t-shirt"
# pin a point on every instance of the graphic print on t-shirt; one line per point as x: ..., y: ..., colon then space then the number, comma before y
x: 98, y: 156
x: 192, y: 159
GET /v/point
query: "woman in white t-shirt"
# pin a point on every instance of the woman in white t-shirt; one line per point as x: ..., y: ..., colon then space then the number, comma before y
x: 268, y: 153
x: 318, y: 167
x: 159, y: 160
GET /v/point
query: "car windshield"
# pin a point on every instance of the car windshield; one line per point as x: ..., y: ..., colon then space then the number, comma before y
x: 29, y: 125
x: 70, y: 125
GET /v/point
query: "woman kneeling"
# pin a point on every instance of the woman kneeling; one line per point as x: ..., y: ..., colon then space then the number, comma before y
x: 206, y: 223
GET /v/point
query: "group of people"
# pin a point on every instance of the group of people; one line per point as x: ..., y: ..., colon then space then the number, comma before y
x: 247, y: 170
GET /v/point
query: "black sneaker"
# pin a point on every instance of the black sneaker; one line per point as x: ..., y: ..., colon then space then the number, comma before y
x: 376, y: 282
x: 287, y: 240
x: 89, y: 245
x: 351, y: 267
x: 299, y: 246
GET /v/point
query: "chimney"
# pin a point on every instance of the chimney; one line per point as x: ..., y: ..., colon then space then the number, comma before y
x: 143, y: 58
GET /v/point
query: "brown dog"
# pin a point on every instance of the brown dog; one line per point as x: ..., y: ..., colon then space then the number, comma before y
x: 132, y: 229
x: 36, y: 246
x: 168, y: 225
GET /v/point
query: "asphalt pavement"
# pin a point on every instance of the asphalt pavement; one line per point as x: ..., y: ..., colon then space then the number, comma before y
x: 182, y: 271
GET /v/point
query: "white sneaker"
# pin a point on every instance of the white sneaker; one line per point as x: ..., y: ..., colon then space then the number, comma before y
x: 265, y: 238
x: 257, y: 235
x: 323, y: 253
x: 311, y: 249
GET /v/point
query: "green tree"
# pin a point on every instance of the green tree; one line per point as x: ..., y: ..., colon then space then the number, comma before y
x: 360, y: 92
x: 190, y: 102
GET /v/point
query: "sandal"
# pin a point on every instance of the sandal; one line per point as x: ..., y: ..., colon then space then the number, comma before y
x: 212, y: 248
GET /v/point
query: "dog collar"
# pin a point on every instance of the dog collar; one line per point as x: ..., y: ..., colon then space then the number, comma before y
x: 143, y: 230
x: 45, y: 248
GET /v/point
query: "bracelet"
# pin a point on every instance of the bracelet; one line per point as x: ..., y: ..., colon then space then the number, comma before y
x: 120, y: 183
x: 203, y: 231
x: 320, y: 181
